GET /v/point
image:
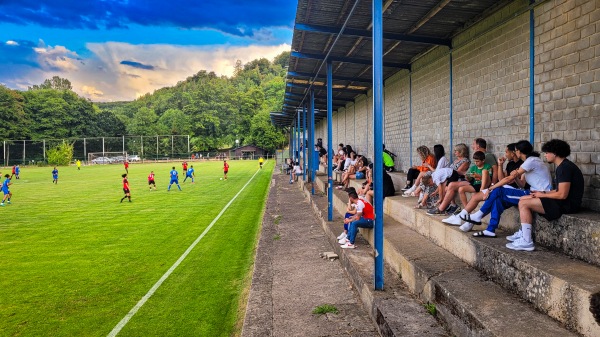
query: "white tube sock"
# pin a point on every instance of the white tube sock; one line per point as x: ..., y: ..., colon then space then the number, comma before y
x: 526, y: 228
x: 477, y: 216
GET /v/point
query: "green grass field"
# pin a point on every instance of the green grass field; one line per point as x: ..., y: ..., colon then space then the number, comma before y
x: 74, y: 261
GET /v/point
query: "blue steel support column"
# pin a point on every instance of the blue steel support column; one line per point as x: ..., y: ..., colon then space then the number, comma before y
x: 378, y: 138
x: 451, y: 125
x: 531, y: 74
x: 329, y: 141
x: 293, y: 136
x: 410, y: 131
x: 298, y: 138
x: 311, y: 141
x: 304, y: 142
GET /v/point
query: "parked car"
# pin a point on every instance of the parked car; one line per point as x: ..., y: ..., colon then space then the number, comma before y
x: 134, y: 158
x: 101, y: 160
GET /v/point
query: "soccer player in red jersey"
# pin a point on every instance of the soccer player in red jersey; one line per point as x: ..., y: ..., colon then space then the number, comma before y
x: 185, y: 167
x: 126, y: 164
x: 225, y: 169
x: 126, y: 187
x: 151, y: 181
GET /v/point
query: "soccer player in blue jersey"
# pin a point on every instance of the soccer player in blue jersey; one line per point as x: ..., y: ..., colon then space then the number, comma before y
x: 190, y: 174
x: 5, y: 190
x: 174, y: 179
x: 55, y: 175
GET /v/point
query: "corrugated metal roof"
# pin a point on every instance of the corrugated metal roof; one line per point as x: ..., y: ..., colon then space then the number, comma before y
x: 411, y: 27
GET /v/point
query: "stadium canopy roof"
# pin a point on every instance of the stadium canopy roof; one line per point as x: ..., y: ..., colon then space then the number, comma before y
x: 411, y: 27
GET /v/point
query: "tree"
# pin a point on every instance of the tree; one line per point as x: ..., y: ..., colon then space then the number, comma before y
x: 56, y: 83
x: 143, y: 123
x: 264, y: 134
x: 15, y: 124
x: 60, y: 155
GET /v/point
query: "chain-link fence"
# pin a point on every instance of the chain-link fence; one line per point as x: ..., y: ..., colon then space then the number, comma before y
x: 30, y: 152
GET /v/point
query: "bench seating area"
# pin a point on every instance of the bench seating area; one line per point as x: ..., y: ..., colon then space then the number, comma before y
x: 478, y: 285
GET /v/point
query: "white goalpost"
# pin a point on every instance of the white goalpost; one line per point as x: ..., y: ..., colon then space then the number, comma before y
x: 107, y: 157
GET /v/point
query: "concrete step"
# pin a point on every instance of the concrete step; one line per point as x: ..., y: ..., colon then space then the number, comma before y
x: 555, y: 284
x: 395, y: 311
x: 468, y: 303
x: 576, y: 235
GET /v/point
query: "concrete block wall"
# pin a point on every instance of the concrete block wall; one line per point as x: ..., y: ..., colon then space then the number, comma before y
x: 397, y: 118
x: 491, y: 86
x: 567, y: 84
x: 431, y: 101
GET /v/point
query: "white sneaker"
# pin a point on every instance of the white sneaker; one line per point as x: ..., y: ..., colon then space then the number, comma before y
x: 453, y: 220
x: 343, y: 241
x: 515, y: 236
x: 342, y: 236
x: 348, y: 246
x: 467, y: 226
x: 521, y: 244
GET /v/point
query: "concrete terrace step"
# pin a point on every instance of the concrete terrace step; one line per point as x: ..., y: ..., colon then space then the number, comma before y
x: 553, y: 283
x: 465, y: 301
x: 576, y: 235
x: 394, y: 310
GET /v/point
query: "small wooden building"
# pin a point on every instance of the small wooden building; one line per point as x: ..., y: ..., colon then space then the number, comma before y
x: 247, y: 152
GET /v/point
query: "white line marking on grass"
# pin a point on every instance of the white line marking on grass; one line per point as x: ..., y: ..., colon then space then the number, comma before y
x: 166, y: 275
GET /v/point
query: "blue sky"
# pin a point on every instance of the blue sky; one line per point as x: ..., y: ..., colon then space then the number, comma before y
x: 115, y: 50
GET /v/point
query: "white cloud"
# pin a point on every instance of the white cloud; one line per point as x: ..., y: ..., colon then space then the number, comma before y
x: 57, y: 58
x: 171, y: 64
x: 12, y: 43
x: 102, y: 77
x: 91, y: 92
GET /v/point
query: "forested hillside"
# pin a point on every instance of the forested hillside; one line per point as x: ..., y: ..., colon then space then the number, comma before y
x: 213, y: 110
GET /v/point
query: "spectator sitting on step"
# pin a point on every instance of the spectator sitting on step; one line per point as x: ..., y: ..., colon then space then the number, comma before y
x: 350, y: 211
x: 477, y: 175
x: 442, y: 162
x: 455, y: 172
x: 565, y: 199
x: 322, y: 153
x: 500, y: 197
x: 479, y: 144
x: 413, y: 177
x: 338, y: 156
x: 296, y: 171
x: 388, y: 187
x: 388, y: 160
x: 427, y: 190
x: 356, y: 171
x: 513, y: 162
x: 364, y: 218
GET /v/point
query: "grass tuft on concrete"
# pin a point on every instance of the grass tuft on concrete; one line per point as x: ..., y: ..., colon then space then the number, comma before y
x: 324, y: 309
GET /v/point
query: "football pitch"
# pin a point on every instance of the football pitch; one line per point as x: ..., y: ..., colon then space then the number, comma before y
x: 74, y: 261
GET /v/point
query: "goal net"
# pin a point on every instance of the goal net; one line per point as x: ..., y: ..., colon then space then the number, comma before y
x: 106, y: 157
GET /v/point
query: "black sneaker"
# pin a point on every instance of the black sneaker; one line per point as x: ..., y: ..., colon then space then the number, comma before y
x: 452, y: 209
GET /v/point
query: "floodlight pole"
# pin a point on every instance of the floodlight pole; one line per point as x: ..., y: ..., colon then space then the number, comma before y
x: 378, y: 138
x: 329, y: 141
x: 124, y: 144
x: 23, y: 152
x: 142, y: 147
x: 103, y: 147
x: 84, y: 150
